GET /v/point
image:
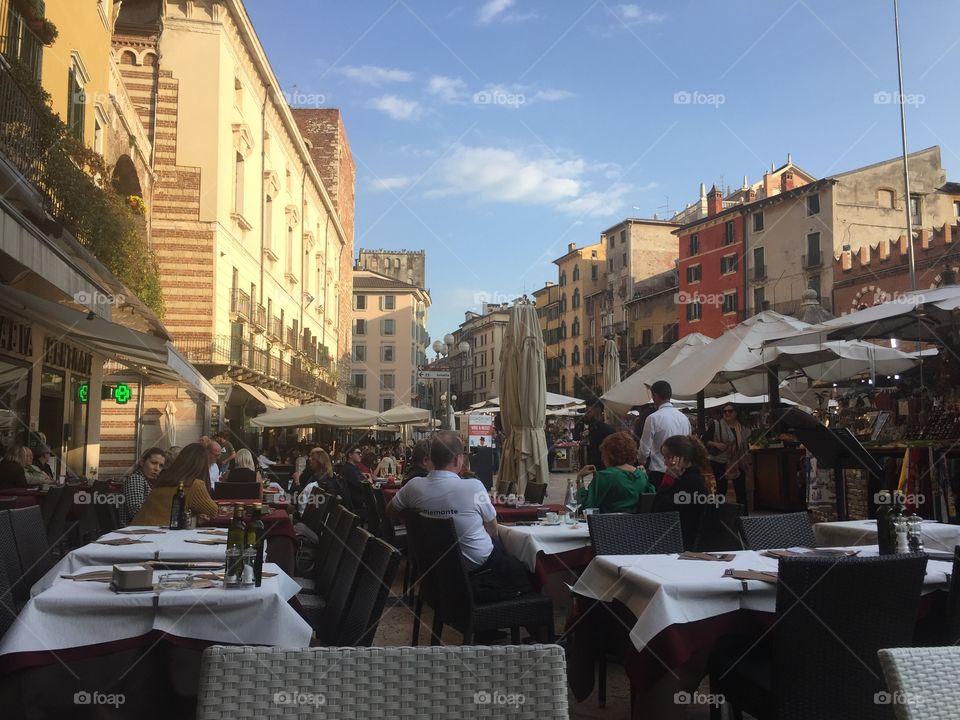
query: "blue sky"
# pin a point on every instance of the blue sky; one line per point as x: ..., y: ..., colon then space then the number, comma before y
x: 492, y: 133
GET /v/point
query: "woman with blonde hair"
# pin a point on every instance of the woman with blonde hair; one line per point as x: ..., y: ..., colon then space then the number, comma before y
x: 244, y: 469
x: 192, y: 468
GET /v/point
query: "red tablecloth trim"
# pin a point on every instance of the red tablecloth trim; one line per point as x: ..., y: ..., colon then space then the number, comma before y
x: 571, y: 560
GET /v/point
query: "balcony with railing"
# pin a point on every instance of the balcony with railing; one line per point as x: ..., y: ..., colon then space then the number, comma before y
x: 275, y: 328
x: 613, y: 328
x: 758, y: 274
x: 19, y: 42
x: 259, y: 319
x: 292, y: 336
x: 240, y: 304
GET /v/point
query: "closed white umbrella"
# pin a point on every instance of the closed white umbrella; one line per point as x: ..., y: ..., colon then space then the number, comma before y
x: 318, y: 413
x: 522, y: 402
x: 611, y: 372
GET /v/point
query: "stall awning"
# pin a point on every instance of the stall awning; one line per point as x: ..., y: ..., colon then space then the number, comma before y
x: 154, y: 358
x: 261, y: 396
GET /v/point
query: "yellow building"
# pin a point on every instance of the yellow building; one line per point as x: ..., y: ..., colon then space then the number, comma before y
x: 547, y: 300
x: 581, y: 272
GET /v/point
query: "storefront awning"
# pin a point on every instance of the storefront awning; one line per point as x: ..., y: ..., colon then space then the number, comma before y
x: 267, y: 398
x: 156, y: 359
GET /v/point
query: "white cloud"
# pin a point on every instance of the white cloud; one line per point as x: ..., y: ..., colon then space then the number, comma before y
x: 552, y: 95
x: 491, y: 9
x: 448, y: 89
x: 509, y: 176
x: 503, y: 175
x: 375, y: 75
x: 598, y: 203
x: 636, y: 15
x: 396, y: 107
x: 391, y: 183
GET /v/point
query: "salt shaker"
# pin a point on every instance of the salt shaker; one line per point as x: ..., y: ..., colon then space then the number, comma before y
x: 914, y: 533
x: 900, y: 528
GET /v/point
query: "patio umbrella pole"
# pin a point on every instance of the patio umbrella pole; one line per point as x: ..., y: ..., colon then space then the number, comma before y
x: 701, y: 413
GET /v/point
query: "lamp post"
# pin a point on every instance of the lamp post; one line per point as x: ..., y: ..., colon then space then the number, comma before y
x: 464, y: 348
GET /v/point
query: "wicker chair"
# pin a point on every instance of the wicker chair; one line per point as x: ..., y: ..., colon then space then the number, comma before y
x: 820, y: 660
x: 371, y: 590
x: 535, y: 492
x: 18, y: 591
x: 31, y: 542
x: 446, y: 588
x: 340, y: 522
x: 444, y: 683
x: 341, y: 590
x: 635, y: 534
x: 922, y: 682
x: 108, y: 519
x: 942, y: 626
x: 56, y: 519
x: 762, y: 532
x: 8, y: 613
x: 718, y: 528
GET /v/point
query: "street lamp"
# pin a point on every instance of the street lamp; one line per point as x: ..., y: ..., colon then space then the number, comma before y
x: 464, y: 348
x: 438, y: 347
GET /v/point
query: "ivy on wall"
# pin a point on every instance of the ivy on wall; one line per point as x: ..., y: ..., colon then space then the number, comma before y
x: 75, y: 179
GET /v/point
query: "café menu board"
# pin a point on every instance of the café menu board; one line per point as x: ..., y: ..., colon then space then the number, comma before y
x: 480, y: 432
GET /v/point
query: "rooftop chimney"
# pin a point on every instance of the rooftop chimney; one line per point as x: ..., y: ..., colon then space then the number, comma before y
x: 714, y: 201
x: 769, y: 188
x: 789, y: 159
x: 787, y: 181
x: 745, y: 184
x: 571, y: 247
x: 703, y: 190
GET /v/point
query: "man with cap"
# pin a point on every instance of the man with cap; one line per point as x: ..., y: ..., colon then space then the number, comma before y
x: 666, y: 421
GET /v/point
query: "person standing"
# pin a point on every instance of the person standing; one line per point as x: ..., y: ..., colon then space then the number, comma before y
x: 666, y: 421
x: 213, y: 452
x: 597, y: 432
x: 729, y: 454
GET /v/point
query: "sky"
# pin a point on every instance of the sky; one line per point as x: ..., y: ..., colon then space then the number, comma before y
x: 493, y: 133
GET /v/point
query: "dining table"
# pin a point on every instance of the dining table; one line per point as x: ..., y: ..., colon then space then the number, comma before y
x: 278, y: 526
x: 941, y: 537
x: 547, y: 548
x: 672, y: 611
x: 80, y: 642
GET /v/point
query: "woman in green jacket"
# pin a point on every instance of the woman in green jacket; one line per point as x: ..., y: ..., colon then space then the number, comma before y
x: 618, y: 487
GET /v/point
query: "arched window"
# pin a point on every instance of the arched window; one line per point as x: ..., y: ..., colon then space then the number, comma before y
x: 575, y: 328
x: 576, y: 273
x: 575, y: 355
x: 563, y: 278
x: 563, y: 358
x: 576, y: 298
x: 563, y: 303
x: 128, y: 57
x: 563, y: 331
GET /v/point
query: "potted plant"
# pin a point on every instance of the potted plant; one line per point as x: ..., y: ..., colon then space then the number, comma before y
x: 30, y: 9
x: 45, y: 30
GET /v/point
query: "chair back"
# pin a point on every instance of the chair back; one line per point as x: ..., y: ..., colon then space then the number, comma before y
x: 236, y: 491
x: 57, y: 524
x: 374, y: 579
x: 445, y: 583
x: 635, y: 534
x: 8, y: 605
x: 108, y: 519
x: 718, y: 528
x: 922, y: 682
x: 319, y: 506
x: 30, y: 538
x: 377, y: 682
x: 370, y: 503
x: 11, y: 560
x: 332, y: 550
x: 535, y: 492
x: 762, y: 532
x: 645, y: 504
x: 49, y: 505
x: 833, y: 616
x: 341, y: 591
x: 387, y: 531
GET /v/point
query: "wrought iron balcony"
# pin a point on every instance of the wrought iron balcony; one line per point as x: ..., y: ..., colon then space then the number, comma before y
x: 259, y: 319
x: 274, y: 328
x: 292, y: 337
x: 240, y: 304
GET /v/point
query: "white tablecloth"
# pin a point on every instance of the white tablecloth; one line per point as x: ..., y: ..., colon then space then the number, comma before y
x: 74, y: 614
x: 936, y: 536
x: 525, y: 541
x: 169, y: 546
x: 661, y: 590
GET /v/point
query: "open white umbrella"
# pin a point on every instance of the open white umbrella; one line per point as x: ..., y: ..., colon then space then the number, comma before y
x: 403, y: 414
x: 522, y: 402
x: 551, y: 400
x: 318, y: 413
x: 634, y: 389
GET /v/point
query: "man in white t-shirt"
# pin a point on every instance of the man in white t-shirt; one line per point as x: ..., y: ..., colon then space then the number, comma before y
x: 443, y: 493
x: 663, y: 423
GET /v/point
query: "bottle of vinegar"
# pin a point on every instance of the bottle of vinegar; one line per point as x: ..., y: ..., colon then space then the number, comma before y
x: 177, y: 509
x: 255, y: 543
x: 233, y: 573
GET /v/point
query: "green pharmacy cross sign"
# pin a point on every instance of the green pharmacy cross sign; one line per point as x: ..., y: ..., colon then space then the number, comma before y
x: 119, y: 393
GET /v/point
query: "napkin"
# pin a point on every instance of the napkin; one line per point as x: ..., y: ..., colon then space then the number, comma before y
x: 209, y: 541
x: 222, y: 533
x: 804, y: 552
x: 721, y: 557
x: 147, y: 531
x: 761, y: 575
x: 91, y: 576
x: 122, y: 541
